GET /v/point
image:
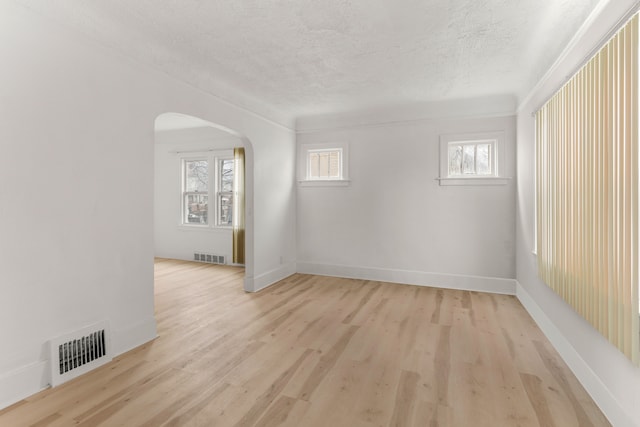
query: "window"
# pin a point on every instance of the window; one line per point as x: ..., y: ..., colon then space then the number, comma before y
x: 199, y: 175
x: 195, y: 195
x: 472, y: 159
x: 323, y: 164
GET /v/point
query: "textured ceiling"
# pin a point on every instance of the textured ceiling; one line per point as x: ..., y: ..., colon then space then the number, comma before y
x: 306, y: 57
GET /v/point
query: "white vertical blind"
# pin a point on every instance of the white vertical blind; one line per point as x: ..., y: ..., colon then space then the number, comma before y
x: 587, y: 191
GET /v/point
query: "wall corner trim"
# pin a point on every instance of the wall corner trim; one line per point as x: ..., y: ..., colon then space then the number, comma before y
x: 264, y: 280
x: 494, y: 285
x: 598, y: 391
x: 133, y: 336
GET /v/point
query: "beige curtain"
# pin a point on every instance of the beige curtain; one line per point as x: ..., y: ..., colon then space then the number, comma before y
x: 587, y: 191
x: 238, y: 206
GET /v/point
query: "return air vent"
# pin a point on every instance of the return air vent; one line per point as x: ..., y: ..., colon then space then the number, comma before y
x: 209, y: 258
x: 79, y: 352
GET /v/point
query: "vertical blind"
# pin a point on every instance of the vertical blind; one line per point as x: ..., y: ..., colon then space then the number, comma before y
x: 587, y: 191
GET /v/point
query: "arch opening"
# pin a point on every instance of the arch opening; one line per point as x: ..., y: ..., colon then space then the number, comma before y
x: 180, y: 232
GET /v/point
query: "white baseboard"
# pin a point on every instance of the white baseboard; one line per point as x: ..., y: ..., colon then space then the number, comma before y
x: 23, y: 382
x: 494, y: 285
x: 264, y: 280
x: 129, y: 338
x: 598, y: 391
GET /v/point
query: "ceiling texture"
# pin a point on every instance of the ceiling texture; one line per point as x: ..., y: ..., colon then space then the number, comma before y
x: 312, y: 57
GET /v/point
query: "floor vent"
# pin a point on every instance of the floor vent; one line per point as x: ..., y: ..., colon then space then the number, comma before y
x: 208, y: 258
x: 79, y: 352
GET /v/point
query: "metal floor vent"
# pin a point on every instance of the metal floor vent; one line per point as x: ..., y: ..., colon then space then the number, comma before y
x: 79, y: 352
x: 208, y: 258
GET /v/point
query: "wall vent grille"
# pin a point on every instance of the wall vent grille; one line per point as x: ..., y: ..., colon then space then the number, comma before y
x: 209, y: 258
x: 79, y: 352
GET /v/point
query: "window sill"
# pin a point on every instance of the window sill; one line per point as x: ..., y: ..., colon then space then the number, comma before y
x: 204, y: 228
x: 324, y: 183
x: 474, y: 181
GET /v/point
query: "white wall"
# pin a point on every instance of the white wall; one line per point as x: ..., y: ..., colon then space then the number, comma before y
x: 395, y: 222
x: 172, y: 240
x: 611, y: 379
x: 76, y: 191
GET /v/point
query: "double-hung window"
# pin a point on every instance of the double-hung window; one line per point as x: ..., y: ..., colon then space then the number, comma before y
x: 207, y: 190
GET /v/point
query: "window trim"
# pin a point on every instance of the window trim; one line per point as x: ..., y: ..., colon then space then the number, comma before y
x: 213, y: 157
x: 498, y: 158
x: 303, y: 164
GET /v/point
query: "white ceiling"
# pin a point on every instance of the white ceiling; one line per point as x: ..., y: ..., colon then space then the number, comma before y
x: 307, y: 57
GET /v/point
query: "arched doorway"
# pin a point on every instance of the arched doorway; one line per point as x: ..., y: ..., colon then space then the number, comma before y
x: 192, y: 222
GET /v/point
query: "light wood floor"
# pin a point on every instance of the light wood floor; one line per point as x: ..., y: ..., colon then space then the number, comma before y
x: 317, y: 351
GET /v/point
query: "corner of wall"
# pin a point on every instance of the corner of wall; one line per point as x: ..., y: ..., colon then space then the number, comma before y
x: 264, y: 280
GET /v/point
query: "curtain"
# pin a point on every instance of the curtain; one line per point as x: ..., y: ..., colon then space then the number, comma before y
x: 238, y: 205
x: 587, y: 191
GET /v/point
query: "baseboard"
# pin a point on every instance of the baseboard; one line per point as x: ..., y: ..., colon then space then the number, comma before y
x: 129, y: 338
x: 494, y: 285
x: 23, y: 382
x: 598, y: 391
x: 264, y: 280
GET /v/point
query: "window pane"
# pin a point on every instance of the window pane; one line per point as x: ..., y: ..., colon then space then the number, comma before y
x: 468, y: 159
x: 225, y: 209
x: 226, y: 175
x: 455, y: 160
x: 483, y: 159
x: 314, y: 165
x: 334, y: 164
x: 196, y: 207
x: 324, y: 164
x: 196, y: 175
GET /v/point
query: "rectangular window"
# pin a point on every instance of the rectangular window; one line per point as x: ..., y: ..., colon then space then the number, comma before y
x: 195, y: 195
x: 225, y: 193
x: 199, y: 175
x: 472, y: 159
x: 323, y: 164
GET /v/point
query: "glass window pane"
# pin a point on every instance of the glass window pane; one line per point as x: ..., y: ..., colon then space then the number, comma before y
x: 468, y: 159
x: 196, y: 175
x: 225, y: 209
x: 334, y: 164
x: 324, y: 164
x: 226, y: 175
x: 455, y: 160
x: 196, y: 208
x: 314, y: 165
x: 483, y: 159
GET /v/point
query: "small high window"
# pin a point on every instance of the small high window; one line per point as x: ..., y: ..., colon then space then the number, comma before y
x: 472, y: 159
x: 323, y: 164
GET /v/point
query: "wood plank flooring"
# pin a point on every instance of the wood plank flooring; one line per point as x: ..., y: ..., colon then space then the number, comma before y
x: 319, y: 351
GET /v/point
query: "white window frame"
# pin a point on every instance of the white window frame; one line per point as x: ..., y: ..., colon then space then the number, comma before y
x: 214, y: 159
x: 304, y: 177
x: 496, y: 139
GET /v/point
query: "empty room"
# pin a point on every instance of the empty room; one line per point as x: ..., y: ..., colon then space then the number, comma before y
x: 336, y: 213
